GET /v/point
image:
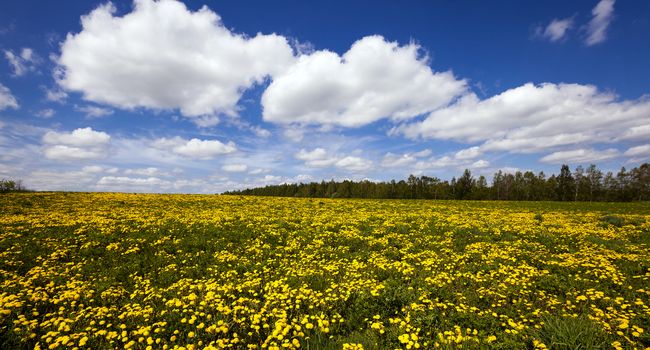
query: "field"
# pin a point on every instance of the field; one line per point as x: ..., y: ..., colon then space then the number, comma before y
x: 189, y: 271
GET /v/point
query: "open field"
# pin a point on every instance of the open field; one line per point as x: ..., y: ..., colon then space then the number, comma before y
x: 166, y: 271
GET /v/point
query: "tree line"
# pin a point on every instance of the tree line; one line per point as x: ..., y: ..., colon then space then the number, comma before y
x: 11, y: 186
x: 582, y: 184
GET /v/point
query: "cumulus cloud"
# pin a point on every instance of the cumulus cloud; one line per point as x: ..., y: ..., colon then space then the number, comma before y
x: 194, y: 148
x: 108, y: 181
x: 260, y: 132
x: 150, y: 171
x: 80, y: 144
x: 235, y: 168
x: 63, y: 152
x: 92, y: 169
x: 448, y: 161
x: 532, y: 118
x: 7, y: 100
x: 597, y: 27
x: 316, y: 158
x: 50, y: 180
x: 294, y: 134
x: 23, y: 62
x: 258, y: 171
x: 164, y: 56
x: 320, y: 158
x: 391, y: 160
x: 556, y: 30
x: 82, y: 137
x: 437, y: 163
x: 480, y: 164
x: 55, y: 95
x: 94, y: 111
x: 353, y: 163
x: 206, y: 121
x: 374, y: 79
x: 468, y: 153
x: 45, y: 113
x: 580, y: 156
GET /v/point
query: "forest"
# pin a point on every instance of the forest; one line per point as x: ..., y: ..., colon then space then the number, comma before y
x: 582, y: 184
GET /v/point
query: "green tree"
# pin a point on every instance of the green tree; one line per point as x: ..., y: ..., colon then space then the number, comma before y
x: 565, y: 184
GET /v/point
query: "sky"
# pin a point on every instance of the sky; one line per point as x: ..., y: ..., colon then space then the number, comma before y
x: 210, y: 96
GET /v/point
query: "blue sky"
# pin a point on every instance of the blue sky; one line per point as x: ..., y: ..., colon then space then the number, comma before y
x: 166, y: 96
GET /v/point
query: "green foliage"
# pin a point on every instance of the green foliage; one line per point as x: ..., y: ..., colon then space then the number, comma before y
x: 572, y: 333
x: 11, y: 186
x: 613, y: 220
x: 584, y: 185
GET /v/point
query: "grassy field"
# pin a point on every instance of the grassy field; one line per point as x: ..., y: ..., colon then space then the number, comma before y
x: 189, y: 271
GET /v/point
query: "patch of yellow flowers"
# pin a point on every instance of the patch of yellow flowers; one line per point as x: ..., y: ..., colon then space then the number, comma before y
x: 131, y: 271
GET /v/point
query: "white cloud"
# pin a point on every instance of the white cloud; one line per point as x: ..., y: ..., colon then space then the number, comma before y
x: 537, y: 144
x: 55, y: 95
x: 508, y: 170
x: 268, y: 179
x: 437, y: 163
x: 194, y: 148
x: 294, y: 134
x: 7, y: 100
x: 468, y: 153
x: 391, y: 160
x: 532, y: 118
x: 92, y: 169
x: 60, y: 180
x: 45, y: 113
x: 94, y: 111
x: 206, y: 121
x: 258, y: 171
x: 641, y: 132
x: 260, y: 132
x: 80, y: 144
x: 597, y: 27
x: 375, y: 79
x: 446, y: 162
x: 163, y: 56
x: 235, y: 168
x: 320, y: 158
x: 423, y: 153
x: 316, y: 158
x: 150, y: 171
x: 354, y: 164
x: 301, y: 178
x: 556, y: 30
x: 580, y: 156
x: 109, y: 181
x: 23, y: 62
x: 63, y: 152
x: 642, y: 151
x: 480, y: 164
x: 82, y: 137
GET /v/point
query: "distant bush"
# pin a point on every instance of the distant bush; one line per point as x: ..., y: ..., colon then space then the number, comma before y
x: 613, y: 220
x: 11, y: 186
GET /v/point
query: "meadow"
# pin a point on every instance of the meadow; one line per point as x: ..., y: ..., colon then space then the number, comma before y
x: 136, y: 271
